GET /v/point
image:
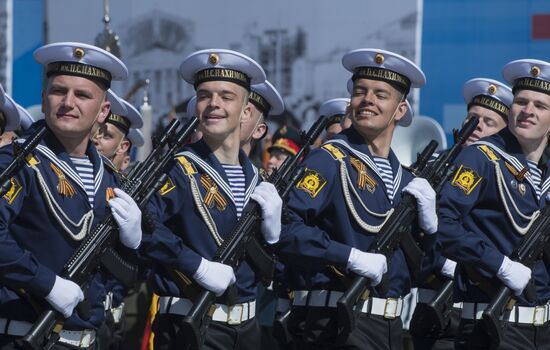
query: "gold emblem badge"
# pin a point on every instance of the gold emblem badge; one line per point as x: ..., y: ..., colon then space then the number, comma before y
x: 312, y: 183
x: 78, y: 52
x: 379, y: 58
x: 213, y: 59
x: 167, y: 187
x: 492, y: 89
x: 14, y: 190
x: 535, y: 71
x: 466, y: 179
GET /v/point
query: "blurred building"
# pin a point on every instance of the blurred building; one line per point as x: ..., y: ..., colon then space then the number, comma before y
x: 153, y: 47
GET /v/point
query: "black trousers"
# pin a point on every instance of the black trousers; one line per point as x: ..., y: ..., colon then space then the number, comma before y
x: 516, y: 337
x: 7, y: 342
x: 219, y: 336
x: 317, y: 328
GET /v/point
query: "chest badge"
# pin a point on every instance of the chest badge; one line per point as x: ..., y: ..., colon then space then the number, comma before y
x: 213, y: 194
x: 364, y: 180
x: 522, y: 189
x: 64, y: 187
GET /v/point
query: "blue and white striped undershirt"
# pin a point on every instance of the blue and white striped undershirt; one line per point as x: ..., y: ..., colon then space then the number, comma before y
x: 536, y: 176
x: 235, y: 175
x: 85, y: 170
x: 385, y: 169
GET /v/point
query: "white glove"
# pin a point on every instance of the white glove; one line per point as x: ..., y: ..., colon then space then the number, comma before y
x: 448, y: 269
x: 267, y: 197
x: 65, y: 296
x: 514, y: 275
x: 214, y: 276
x: 128, y: 218
x: 369, y: 265
x: 420, y: 189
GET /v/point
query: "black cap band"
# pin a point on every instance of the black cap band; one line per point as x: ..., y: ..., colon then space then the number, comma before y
x: 224, y: 74
x: 398, y: 81
x: 527, y: 83
x: 119, y: 121
x: 260, y: 103
x: 81, y: 70
x: 490, y: 103
x: 335, y: 119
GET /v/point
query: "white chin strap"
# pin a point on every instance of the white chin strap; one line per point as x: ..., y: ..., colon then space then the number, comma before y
x: 253, y: 129
x: 393, y: 115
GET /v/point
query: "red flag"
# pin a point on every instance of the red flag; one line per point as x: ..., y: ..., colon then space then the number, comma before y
x: 541, y: 26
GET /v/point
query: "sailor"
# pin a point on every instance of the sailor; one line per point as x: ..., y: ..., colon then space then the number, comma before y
x: 209, y: 184
x: 345, y: 195
x: 487, y: 208
x: 68, y: 190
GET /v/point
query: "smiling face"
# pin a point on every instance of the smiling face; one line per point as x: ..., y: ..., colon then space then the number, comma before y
x: 490, y: 122
x: 530, y: 117
x: 376, y: 107
x: 72, y: 105
x: 220, y: 107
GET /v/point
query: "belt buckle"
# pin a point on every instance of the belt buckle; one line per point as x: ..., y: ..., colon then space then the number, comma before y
x: 87, y: 337
x: 390, y: 308
x: 539, y: 315
x: 239, y: 308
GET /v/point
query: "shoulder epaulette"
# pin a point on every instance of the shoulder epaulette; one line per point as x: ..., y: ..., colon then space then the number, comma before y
x: 31, y: 160
x: 334, y: 151
x: 188, y: 167
x: 488, y: 152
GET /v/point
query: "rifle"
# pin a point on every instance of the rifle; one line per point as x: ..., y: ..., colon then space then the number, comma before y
x: 21, y: 153
x: 527, y: 252
x: 97, y: 248
x: 397, y: 228
x: 242, y: 241
x: 280, y: 327
x: 432, y: 318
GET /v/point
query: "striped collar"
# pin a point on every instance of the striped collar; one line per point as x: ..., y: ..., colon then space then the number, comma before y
x: 517, y: 164
x: 366, y: 158
x: 55, y: 153
x: 200, y: 154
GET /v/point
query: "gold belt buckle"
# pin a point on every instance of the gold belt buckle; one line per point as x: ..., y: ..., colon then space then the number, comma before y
x: 539, y: 315
x: 230, y: 309
x: 390, y: 308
